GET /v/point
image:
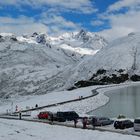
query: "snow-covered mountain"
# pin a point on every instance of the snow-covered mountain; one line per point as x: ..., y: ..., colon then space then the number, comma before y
x: 39, y: 63
x: 81, y: 42
x: 118, y: 62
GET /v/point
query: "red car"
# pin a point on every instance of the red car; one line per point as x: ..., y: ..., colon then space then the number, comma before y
x: 44, y: 115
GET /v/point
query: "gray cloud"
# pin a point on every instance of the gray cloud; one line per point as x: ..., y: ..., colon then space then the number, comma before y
x: 50, y: 20
x: 48, y: 23
x: 58, y: 24
x: 122, y: 24
x: 132, y: 4
x: 97, y: 22
x: 21, y: 25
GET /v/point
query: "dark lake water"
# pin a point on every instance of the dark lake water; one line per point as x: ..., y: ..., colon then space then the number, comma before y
x: 124, y: 101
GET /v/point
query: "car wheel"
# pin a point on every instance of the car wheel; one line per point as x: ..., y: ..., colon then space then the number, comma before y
x: 116, y: 127
x: 123, y: 127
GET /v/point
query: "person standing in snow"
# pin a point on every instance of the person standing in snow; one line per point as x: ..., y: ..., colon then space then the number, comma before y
x: 16, y: 108
x: 93, y: 122
x: 36, y: 105
x: 75, y: 122
x: 51, y: 118
x: 84, y: 122
x: 20, y: 115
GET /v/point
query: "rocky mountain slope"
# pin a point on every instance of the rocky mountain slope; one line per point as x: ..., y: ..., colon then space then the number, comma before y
x: 116, y: 63
x: 39, y: 63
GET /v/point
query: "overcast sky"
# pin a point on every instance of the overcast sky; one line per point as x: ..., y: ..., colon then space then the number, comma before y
x: 111, y: 18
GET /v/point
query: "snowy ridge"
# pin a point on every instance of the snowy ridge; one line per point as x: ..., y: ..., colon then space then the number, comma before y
x: 81, y: 42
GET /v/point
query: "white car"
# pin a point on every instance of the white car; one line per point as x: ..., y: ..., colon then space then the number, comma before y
x: 100, y: 121
x: 137, y: 124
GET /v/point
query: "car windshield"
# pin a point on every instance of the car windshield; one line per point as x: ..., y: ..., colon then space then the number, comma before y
x: 103, y: 119
x: 42, y: 113
x: 137, y: 121
x: 127, y: 121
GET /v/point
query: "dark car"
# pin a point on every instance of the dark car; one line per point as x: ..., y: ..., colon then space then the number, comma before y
x: 44, y: 115
x: 122, y: 124
x: 68, y: 115
x: 99, y: 121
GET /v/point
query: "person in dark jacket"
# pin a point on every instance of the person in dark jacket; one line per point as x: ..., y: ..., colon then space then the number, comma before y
x: 20, y: 115
x: 51, y: 118
x: 36, y: 105
x: 75, y: 122
x: 93, y: 122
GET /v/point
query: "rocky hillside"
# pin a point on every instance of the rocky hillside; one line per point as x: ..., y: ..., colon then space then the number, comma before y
x: 116, y: 63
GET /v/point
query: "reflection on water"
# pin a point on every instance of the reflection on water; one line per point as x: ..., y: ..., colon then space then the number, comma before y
x: 124, y: 101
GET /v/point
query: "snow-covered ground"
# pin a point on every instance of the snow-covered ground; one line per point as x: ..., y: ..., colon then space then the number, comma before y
x: 50, y: 98
x: 15, y: 130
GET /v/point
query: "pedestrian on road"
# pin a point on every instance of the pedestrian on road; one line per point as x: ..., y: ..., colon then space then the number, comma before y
x: 20, y: 115
x: 93, y: 122
x: 84, y: 122
x: 75, y: 122
x: 51, y: 118
x: 36, y: 105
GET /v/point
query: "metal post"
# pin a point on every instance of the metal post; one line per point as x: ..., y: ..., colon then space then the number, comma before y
x: 20, y: 115
x: 12, y: 107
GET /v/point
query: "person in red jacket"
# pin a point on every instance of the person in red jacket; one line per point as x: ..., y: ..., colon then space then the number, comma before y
x: 84, y: 122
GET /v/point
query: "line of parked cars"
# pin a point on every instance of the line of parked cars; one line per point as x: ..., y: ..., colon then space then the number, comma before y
x: 72, y: 115
x: 122, y: 124
x: 98, y: 121
x: 118, y: 124
x: 59, y: 116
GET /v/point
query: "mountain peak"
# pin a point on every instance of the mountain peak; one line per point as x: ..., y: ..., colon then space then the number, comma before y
x: 81, y: 34
x: 35, y: 34
x: 41, y: 38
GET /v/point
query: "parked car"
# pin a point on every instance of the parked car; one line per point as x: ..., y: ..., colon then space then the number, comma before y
x: 137, y: 124
x: 99, y: 121
x: 68, y: 115
x: 122, y: 124
x: 44, y: 115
